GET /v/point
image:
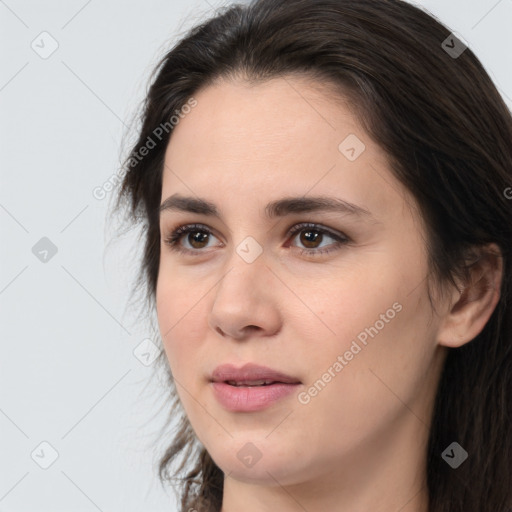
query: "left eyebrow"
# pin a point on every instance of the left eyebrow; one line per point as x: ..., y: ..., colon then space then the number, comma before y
x: 278, y: 208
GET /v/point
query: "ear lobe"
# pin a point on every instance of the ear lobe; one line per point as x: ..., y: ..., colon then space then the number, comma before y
x: 473, y: 304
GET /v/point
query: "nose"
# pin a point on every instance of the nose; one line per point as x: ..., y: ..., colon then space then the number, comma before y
x: 246, y: 302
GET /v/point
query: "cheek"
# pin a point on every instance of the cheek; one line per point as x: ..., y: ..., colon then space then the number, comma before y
x: 180, y: 313
x: 387, y: 361
x: 376, y: 295
x: 347, y: 306
x: 377, y: 322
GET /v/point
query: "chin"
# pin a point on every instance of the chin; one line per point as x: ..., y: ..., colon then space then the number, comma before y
x: 256, y: 462
x: 269, y: 473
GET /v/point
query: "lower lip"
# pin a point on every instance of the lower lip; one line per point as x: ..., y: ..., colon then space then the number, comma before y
x: 248, y: 399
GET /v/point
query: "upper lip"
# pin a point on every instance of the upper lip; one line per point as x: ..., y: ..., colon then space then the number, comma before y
x: 250, y: 372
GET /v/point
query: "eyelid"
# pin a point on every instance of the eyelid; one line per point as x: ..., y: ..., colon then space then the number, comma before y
x: 298, y: 227
x: 177, y: 233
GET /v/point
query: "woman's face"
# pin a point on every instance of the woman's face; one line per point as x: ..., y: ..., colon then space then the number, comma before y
x: 340, y: 307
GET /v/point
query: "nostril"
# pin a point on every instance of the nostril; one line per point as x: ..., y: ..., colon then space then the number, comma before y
x: 243, y: 332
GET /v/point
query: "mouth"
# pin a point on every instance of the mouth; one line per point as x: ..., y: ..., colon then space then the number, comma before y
x: 250, y: 384
x: 250, y: 388
x: 250, y: 375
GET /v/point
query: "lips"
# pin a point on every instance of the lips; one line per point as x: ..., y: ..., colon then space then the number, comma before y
x: 250, y: 375
x: 249, y: 383
x: 251, y: 388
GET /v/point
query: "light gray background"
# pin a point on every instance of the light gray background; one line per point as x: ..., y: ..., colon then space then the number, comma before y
x: 68, y: 373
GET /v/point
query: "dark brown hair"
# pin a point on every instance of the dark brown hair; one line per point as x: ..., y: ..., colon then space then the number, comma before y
x: 448, y: 135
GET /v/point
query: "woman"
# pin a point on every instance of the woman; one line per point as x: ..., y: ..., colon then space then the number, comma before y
x: 324, y: 188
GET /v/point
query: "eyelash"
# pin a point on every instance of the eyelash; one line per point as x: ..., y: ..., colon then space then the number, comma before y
x: 175, y: 236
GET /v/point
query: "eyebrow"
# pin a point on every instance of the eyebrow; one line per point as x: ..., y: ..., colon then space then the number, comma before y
x: 278, y: 208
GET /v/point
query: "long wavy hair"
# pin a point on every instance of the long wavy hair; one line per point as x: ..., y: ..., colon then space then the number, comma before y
x: 429, y: 103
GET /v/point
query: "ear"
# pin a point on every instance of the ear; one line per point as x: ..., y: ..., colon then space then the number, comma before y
x: 473, y: 303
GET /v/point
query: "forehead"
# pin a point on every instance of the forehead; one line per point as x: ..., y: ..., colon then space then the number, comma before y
x: 285, y: 135
x: 271, y: 119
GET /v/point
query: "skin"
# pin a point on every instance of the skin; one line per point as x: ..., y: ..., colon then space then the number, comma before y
x: 360, y: 443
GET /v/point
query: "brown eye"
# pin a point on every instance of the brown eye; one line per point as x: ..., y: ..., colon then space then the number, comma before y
x: 310, y: 236
x: 195, y: 239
